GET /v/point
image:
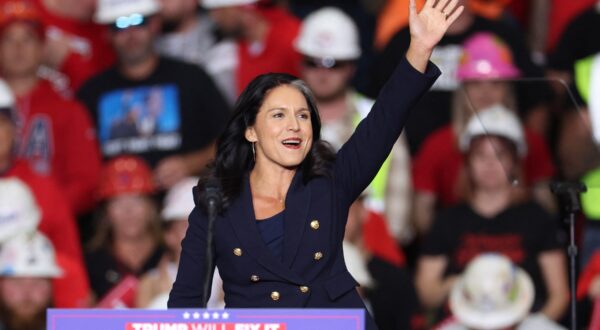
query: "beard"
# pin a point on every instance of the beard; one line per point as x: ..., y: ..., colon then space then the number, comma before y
x: 129, y: 57
x: 16, y: 321
x: 230, y: 33
x: 171, y: 25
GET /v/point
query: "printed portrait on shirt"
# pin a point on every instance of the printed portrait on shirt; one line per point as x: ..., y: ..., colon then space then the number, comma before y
x: 140, y: 119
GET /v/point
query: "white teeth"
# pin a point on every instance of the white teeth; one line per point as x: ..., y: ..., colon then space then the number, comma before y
x: 291, y: 142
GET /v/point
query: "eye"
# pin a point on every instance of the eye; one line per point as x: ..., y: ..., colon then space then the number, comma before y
x: 278, y: 115
x: 304, y: 115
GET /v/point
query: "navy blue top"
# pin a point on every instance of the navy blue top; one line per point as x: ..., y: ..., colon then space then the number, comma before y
x: 271, y: 230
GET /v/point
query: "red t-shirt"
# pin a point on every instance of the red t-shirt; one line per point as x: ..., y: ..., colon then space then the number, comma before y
x: 277, y: 53
x: 57, y: 138
x: 89, y: 48
x: 58, y: 224
x: 437, y: 166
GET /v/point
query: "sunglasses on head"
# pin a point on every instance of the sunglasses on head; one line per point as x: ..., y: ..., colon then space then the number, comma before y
x: 325, y: 62
x: 125, y: 22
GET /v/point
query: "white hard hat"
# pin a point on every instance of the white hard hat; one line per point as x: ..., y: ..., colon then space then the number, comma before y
x: 329, y: 33
x: 492, y: 293
x: 212, y: 4
x: 28, y: 255
x: 108, y: 11
x: 179, y: 201
x: 19, y: 212
x: 496, y: 120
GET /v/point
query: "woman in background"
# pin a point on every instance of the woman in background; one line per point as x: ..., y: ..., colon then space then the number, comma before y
x: 128, y: 239
x: 495, y: 217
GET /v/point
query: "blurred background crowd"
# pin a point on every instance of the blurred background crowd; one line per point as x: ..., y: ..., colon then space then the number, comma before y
x: 109, y: 111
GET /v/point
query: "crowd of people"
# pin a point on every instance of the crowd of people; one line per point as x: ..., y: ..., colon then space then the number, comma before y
x: 110, y: 111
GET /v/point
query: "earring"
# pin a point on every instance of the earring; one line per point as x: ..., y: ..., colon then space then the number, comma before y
x: 253, y: 151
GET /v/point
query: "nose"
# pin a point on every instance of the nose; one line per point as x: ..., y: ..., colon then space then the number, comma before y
x: 293, y: 124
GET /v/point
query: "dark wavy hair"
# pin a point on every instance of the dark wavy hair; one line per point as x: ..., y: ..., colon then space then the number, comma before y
x: 234, y: 158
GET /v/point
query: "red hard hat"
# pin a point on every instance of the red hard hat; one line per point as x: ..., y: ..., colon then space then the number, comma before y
x: 20, y: 10
x: 125, y: 175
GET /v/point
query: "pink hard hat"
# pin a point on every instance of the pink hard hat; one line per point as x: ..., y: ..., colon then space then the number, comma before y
x: 485, y: 56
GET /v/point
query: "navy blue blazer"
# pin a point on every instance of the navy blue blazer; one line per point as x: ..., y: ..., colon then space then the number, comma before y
x: 312, y: 273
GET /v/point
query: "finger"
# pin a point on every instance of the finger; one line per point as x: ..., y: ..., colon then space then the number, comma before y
x: 455, y: 15
x: 450, y: 7
x: 441, y: 4
x: 429, y: 3
x: 412, y: 7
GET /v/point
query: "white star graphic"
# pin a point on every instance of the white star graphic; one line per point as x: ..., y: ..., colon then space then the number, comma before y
x: 186, y: 315
x: 216, y: 315
x: 196, y: 315
x: 206, y: 315
x: 225, y: 316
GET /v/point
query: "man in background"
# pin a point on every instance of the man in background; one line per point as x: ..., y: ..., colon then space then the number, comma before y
x: 264, y: 35
x: 163, y: 110
x: 191, y: 35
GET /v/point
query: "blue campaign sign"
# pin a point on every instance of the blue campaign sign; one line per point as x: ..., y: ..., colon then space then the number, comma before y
x: 200, y: 319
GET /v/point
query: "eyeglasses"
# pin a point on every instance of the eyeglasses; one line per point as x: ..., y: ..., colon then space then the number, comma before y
x: 132, y: 20
x: 325, y: 62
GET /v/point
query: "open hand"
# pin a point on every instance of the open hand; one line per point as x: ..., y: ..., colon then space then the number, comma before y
x: 428, y: 27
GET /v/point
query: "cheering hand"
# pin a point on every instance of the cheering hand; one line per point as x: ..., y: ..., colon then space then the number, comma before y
x: 428, y: 27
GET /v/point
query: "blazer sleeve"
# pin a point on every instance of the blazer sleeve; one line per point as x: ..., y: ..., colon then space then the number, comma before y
x: 188, y: 288
x: 359, y: 160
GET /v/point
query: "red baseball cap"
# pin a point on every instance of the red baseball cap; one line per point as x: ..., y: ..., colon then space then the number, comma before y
x: 21, y: 11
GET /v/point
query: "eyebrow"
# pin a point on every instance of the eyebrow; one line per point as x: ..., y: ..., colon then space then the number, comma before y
x: 284, y: 108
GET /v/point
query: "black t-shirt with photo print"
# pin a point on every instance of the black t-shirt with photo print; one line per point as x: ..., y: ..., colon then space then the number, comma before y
x: 176, y: 109
x: 521, y: 232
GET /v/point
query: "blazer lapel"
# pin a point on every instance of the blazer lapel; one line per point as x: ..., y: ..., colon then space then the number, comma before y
x: 296, y: 217
x: 242, y: 220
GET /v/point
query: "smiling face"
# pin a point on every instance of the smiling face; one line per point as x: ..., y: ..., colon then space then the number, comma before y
x: 282, y: 133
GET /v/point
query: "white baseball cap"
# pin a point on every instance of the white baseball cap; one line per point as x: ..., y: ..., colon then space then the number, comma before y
x: 496, y: 120
x: 212, y: 4
x: 492, y: 293
x: 28, y: 255
x: 109, y: 11
x: 179, y: 201
x: 329, y: 33
x: 19, y: 212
